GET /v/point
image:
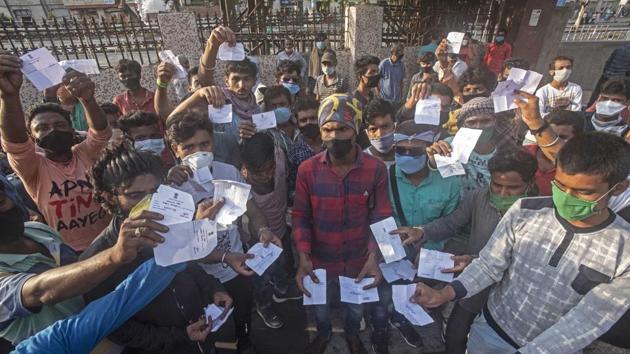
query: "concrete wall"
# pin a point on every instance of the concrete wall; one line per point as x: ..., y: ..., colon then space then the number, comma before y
x: 590, y: 58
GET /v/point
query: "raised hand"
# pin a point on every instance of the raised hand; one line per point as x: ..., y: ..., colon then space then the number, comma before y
x: 79, y: 85
x: 136, y: 233
x: 10, y: 74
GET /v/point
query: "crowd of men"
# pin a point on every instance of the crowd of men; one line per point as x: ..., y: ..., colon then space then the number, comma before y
x: 538, y: 224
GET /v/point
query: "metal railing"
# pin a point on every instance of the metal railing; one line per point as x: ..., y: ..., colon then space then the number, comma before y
x: 107, y: 41
x: 263, y: 33
x: 412, y: 25
x: 595, y: 33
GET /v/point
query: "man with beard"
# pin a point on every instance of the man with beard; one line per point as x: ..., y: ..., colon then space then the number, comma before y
x: 40, y: 282
x: 41, y: 152
x: 122, y: 177
x: 136, y: 97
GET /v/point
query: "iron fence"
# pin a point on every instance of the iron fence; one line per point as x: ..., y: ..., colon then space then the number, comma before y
x: 413, y: 25
x: 601, y: 32
x: 106, y: 41
x: 263, y: 33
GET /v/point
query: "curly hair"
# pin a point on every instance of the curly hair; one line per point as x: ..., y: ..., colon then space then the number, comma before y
x: 137, y: 119
x: 117, y: 167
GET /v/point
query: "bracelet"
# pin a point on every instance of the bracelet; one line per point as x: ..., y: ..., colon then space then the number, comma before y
x: 161, y: 84
x: 263, y: 229
x: 552, y: 143
x: 203, y: 65
x: 223, y: 260
x: 542, y: 128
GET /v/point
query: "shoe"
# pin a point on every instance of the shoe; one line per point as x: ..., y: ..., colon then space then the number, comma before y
x: 355, y: 346
x: 291, y: 293
x: 380, y: 342
x: 270, y: 317
x: 317, y: 346
x: 408, y: 333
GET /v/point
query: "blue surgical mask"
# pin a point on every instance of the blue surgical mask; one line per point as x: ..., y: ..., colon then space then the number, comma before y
x: 283, y: 114
x: 411, y: 164
x: 384, y: 143
x: 320, y: 45
x: 156, y: 146
x: 328, y: 70
x: 293, y: 88
x: 499, y: 39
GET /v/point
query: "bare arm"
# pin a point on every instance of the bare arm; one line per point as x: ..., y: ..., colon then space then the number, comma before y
x: 160, y: 97
x: 205, y: 96
x: 548, y: 141
x: 209, y: 58
x: 65, y: 282
x: 12, y: 124
x: 81, y: 87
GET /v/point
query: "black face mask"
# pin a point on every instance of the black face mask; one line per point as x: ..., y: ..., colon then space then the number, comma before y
x: 12, y: 222
x: 444, y: 117
x: 372, y: 81
x: 427, y: 69
x: 131, y: 84
x: 264, y: 188
x: 339, y: 148
x: 474, y: 95
x: 310, y: 131
x: 57, y: 142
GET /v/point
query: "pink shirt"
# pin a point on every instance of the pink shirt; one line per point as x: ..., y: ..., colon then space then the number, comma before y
x: 62, y: 191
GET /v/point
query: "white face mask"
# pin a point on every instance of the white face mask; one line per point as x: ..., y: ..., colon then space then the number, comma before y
x: 198, y: 160
x: 562, y: 75
x: 156, y: 146
x: 608, y: 108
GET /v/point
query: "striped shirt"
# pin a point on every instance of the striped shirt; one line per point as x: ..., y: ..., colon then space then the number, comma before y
x: 339, y: 85
x: 332, y: 214
x: 557, y: 288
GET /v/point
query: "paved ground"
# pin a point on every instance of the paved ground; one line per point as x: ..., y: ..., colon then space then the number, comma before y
x: 292, y: 338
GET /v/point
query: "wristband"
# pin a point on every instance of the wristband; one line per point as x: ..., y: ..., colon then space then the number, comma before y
x: 552, y: 143
x: 542, y: 128
x: 161, y: 84
x: 202, y: 64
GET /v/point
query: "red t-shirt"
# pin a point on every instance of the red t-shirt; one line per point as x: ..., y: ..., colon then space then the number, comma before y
x: 541, y: 178
x: 496, y: 55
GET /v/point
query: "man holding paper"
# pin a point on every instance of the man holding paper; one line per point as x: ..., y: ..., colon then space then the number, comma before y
x: 478, y: 114
x: 42, y: 151
x: 190, y: 136
x: 340, y: 192
x: 579, y: 240
x: 123, y: 177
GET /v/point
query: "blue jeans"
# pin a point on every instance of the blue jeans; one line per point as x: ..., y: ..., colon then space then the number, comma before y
x: 354, y: 312
x: 484, y: 340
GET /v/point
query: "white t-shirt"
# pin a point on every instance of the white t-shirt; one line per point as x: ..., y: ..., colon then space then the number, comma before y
x: 550, y: 98
x: 229, y: 239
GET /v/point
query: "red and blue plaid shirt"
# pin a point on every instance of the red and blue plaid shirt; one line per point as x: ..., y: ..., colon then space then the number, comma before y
x: 332, y: 214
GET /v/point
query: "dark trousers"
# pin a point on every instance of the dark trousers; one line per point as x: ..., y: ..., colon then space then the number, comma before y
x: 457, y: 329
x: 618, y: 334
x: 241, y: 291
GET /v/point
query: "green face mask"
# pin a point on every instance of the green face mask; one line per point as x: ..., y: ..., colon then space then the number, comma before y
x: 486, y: 134
x: 503, y: 203
x: 573, y: 208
